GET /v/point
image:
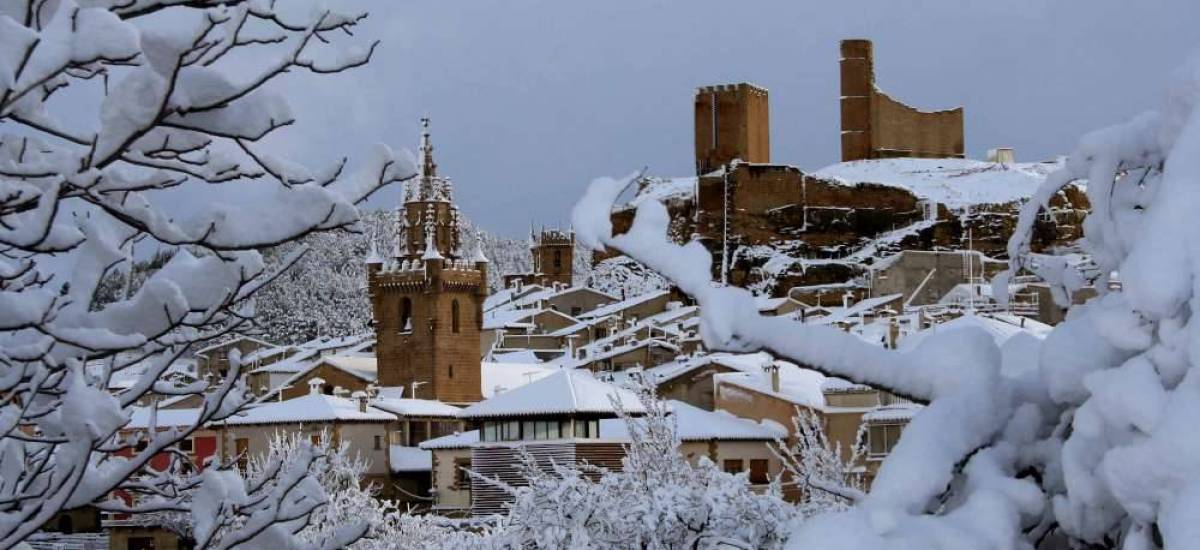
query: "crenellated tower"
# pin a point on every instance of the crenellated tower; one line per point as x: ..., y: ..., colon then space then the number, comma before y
x: 427, y: 300
x: 553, y: 252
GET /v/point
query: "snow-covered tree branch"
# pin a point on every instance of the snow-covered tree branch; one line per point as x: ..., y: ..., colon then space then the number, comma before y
x: 1089, y: 446
x: 82, y: 181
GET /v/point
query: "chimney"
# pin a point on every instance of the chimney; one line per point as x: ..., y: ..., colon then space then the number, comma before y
x: 314, y: 385
x: 893, y: 333
x: 361, y: 397
x: 773, y: 371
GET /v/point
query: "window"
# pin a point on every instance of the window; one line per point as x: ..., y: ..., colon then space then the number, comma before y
x: 454, y: 316
x: 528, y: 429
x: 378, y: 442
x: 510, y: 431
x: 405, y: 315
x: 576, y: 310
x: 587, y: 429
x: 758, y: 471
x: 490, y: 431
x: 462, y: 480
x: 397, y: 437
x: 881, y: 438
x: 141, y: 445
x: 732, y: 465
x: 557, y: 260
x: 440, y: 429
x: 186, y: 445
x: 451, y: 371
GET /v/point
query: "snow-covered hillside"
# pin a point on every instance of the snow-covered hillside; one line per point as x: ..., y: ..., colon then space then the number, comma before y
x: 956, y: 183
x: 324, y: 294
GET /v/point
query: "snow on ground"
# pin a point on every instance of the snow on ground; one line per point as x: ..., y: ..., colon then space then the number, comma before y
x: 953, y: 182
x: 664, y: 190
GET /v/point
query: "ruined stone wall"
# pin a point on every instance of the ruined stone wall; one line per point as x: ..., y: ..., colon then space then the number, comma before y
x: 898, y: 130
x: 874, y: 125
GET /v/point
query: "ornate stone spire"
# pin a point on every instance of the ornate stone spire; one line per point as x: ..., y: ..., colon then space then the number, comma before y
x: 428, y: 167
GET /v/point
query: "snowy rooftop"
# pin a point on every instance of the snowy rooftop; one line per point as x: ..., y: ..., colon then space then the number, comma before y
x: 798, y: 385
x: 622, y: 305
x: 519, y: 356
x: 409, y: 459
x: 507, y: 318
x: 696, y: 424
x: 497, y: 378
x: 166, y: 418
x: 862, y: 307
x: 509, y: 294
x: 563, y: 392
x: 953, y: 182
x: 692, y: 424
x: 314, y: 407
x: 460, y: 440
x: 204, y: 350
x: 404, y: 406
x: 892, y: 413
x: 1001, y: 328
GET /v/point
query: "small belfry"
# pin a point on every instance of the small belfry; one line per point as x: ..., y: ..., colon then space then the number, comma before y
x: 553, y: 252
x: 427, y: 300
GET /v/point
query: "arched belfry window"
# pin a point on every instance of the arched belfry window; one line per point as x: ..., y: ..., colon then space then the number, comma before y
x: 557, y: 260
x: 405, y: 314
x: 454, y: 313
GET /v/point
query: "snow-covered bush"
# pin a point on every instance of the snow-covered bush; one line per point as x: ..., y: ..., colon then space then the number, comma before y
x: 120, y: 122
x: 1091, y: 445
x: 658, y: 500
x: 353, y: 503
x: 826, y: 478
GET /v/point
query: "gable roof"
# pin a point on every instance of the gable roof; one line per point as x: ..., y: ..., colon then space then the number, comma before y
x: 363, y: 367
x: 567, y: 391
x: 797, y: 385
x: 314, y: 407
x: 407, y: 407
x: 623, y: 305
x: 204, y: 350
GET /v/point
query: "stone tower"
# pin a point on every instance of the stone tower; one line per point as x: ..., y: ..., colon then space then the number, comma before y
x: 876, y: 126
x: 553, y: 255
x: 732, y: 122
x: 427, y: 300
x: 553, y: 252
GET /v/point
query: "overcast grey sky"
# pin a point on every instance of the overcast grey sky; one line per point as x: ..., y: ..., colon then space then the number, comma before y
x: 531, y: 99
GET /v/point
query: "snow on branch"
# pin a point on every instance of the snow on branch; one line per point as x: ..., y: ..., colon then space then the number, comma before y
x: 75, y: 198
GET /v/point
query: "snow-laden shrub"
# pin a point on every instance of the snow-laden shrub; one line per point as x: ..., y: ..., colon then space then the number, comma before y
x: 121, y: 123
x: 659, y: 500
